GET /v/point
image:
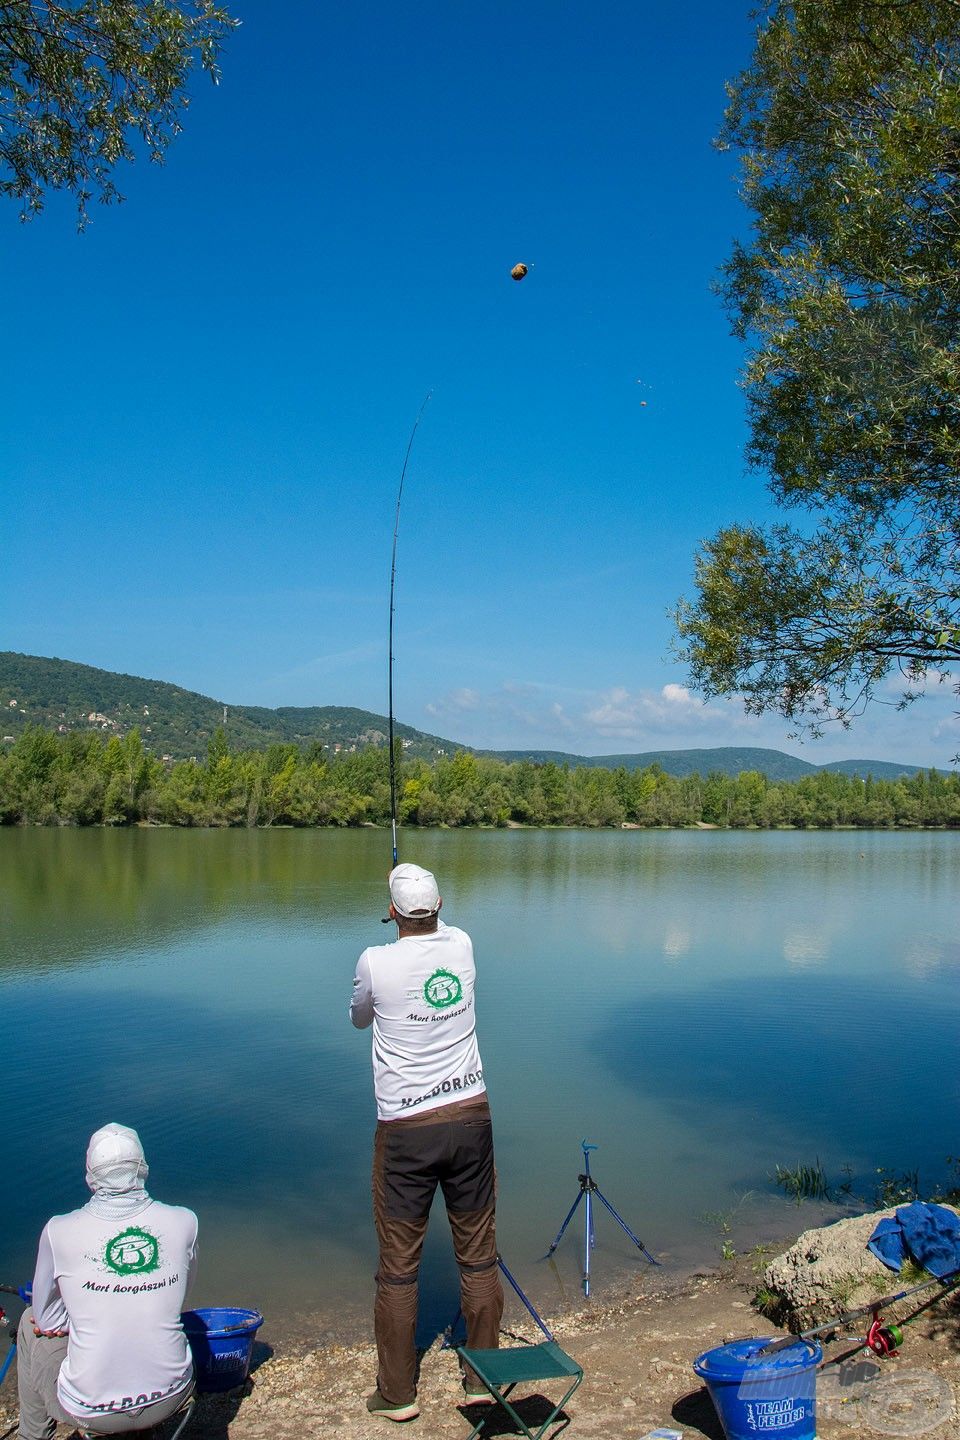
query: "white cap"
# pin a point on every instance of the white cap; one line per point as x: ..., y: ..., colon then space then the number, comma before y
x: 413, y: 891
x: 115, y: 1159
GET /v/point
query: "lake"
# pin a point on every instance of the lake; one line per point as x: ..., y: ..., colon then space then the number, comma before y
x: 702, y: 1005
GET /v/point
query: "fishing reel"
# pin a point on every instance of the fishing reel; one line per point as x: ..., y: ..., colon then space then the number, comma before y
x: 884, y: 1339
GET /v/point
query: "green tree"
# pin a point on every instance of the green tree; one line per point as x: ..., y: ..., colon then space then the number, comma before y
x: 217, y: 748
x: 749, y: 790
x: 555, y: 787
x: 772, y: 808
x: 717, y: 798
x: 87, y: 83
x: 527, y: 799
x: 129, y: 772
x: 848, y: 296
x: 183, y: 799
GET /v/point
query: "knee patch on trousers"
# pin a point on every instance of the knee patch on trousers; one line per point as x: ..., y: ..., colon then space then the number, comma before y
x: 478, y: 1269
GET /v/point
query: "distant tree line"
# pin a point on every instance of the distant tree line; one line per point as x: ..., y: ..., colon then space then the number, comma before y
x: 49, y: 779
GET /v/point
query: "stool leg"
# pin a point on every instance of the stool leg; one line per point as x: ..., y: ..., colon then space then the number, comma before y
x: 186, y: 1415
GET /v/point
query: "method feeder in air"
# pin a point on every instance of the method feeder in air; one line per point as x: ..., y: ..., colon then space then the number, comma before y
x: 518, y: 271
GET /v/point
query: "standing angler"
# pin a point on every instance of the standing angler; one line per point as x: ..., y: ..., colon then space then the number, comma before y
x: 433, y: 1127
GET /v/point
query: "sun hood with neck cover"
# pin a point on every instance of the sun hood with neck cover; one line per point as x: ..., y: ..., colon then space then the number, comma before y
x: 117, y: 1170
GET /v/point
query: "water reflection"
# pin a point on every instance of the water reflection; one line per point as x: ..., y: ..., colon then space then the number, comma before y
x: 676, y: 942
x: 926, y: 954
x: 804, y: 948
x: 795, y: 1068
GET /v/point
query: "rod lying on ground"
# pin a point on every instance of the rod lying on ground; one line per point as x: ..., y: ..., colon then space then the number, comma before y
x: 948, y: 1282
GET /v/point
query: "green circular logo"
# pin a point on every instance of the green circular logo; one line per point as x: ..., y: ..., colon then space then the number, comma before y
x: 132, y: 1252
x: 442, y: 990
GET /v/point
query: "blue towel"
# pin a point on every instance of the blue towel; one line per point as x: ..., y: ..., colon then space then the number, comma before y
x: 927, y: 1234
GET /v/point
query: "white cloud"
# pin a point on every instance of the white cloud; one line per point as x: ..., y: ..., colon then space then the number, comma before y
x: 948, y: 729
x: 638, y: 715
x: 456, y: 701
x: 520, y: 714
x: 560, y: 716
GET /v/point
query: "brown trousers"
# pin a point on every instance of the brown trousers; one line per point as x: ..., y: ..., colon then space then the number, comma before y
x: 451, y: 1147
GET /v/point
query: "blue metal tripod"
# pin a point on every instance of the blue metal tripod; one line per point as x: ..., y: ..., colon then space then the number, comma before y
x: 589, y: 1188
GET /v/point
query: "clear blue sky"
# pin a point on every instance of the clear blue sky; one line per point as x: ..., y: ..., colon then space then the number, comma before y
x: 209, y: 393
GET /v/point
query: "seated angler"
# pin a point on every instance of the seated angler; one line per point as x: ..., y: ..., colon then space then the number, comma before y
x: 102, y: 1348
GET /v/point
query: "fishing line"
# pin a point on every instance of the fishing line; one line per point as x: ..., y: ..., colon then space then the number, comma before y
x: 393, y: 581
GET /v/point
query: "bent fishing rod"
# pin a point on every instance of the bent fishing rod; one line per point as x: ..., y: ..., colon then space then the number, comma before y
x: 947, y: 1282
x: 393, y: 581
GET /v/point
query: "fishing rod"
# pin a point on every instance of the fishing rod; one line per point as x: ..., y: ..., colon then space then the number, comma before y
x: 948, y: 1282
x: 393, y: 581
x: 24, y: 1292
x: 887, y: 1339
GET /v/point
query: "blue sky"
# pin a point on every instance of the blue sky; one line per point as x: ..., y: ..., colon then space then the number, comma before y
x: 209, y: 392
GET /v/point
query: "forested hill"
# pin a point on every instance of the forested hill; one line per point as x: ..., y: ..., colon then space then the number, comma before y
x: 63, y: 696
x: 722, y: 760
x: 66, y: 697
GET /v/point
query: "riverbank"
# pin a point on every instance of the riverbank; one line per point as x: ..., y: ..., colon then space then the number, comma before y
x: 636, y: 1352
x: 49, y: 778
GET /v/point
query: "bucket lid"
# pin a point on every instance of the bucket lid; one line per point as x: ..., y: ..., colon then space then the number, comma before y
x: 220, y: 1320
x: 741, y: 1357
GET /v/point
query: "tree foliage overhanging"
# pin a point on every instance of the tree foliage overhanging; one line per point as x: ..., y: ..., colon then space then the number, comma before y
x: 848, y: 297
x: 85, y: 779
x: 86, y: 84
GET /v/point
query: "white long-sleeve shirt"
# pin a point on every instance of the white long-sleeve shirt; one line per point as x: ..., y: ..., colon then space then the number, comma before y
x: 418, y: 994
x: 118, y: 1286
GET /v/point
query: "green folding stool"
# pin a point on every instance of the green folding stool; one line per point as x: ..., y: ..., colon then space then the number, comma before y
x: 500, y: 1371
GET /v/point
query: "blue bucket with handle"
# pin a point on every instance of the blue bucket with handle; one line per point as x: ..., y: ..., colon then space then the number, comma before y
x: 763, y: 1397
x: 221, y: 1342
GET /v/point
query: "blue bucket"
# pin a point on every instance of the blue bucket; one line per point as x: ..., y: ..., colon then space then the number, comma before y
x: 221, y: 1342
x: 763, y: 1395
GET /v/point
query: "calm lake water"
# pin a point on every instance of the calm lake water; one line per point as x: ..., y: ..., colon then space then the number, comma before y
x: 703, y: 1006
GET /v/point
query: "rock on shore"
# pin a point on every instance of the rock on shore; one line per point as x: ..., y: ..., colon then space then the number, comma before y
x: 828, y: 1271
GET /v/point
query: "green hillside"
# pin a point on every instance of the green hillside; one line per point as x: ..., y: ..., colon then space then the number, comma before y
x: 720, y: 760
x: 63, y: 696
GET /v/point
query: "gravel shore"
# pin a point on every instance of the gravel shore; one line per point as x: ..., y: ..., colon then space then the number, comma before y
x: 636, y: 1353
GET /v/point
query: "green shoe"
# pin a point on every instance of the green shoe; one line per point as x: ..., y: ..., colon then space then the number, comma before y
x: 378, y: 1406
x: 478, y: 1397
